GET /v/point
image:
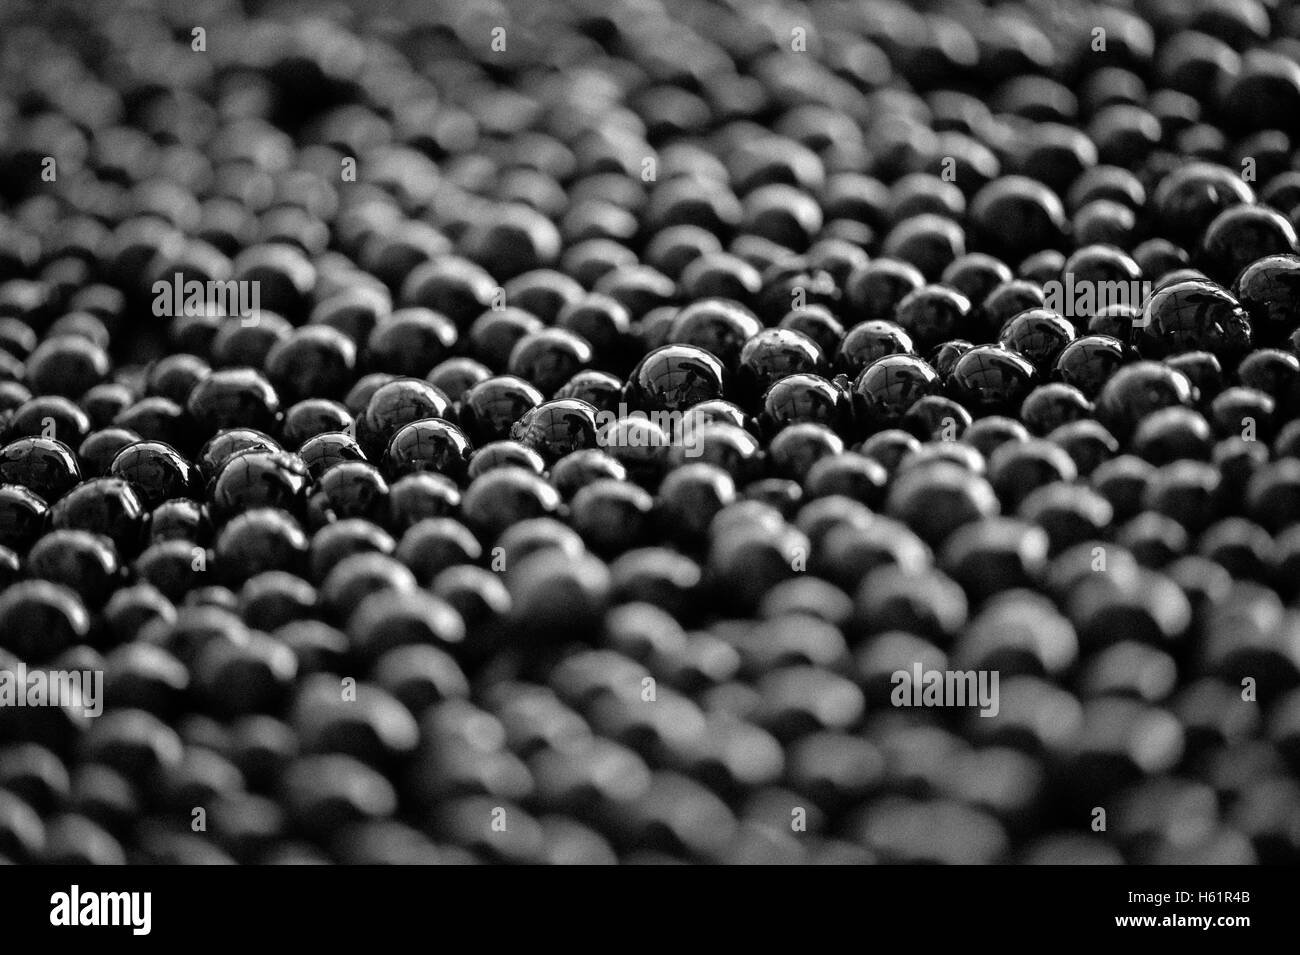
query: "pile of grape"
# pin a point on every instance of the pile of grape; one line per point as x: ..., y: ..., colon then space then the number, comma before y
x: 650, y: 430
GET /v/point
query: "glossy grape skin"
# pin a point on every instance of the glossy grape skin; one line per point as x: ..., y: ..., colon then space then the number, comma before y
x: 490, y: 408
x: 260, y: 479
x: 887, y: 389
x: 232, y: 398
x: 989, y: 379
x: 1269, y: 290
x: 674, y: 377
x: 1038, y: 335
x: 1195, y: 315
x: 44, y: 466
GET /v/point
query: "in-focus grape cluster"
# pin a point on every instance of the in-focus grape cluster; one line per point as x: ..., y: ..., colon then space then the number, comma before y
x: 490, y: 431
